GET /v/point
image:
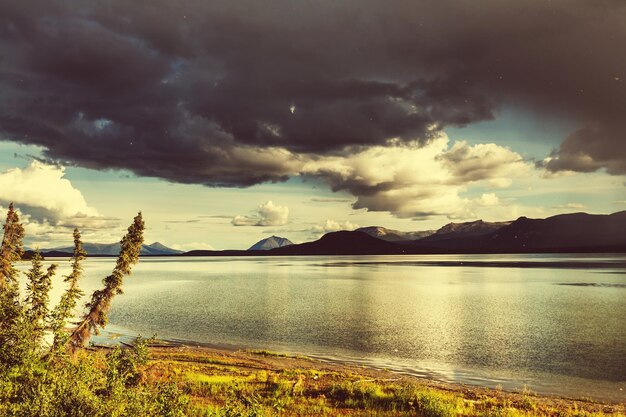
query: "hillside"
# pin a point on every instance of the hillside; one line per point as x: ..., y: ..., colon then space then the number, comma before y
x: 391, y: 235
x: 464, y: 230
x: 342, y: 243
x: 563, y: 232
x: 577, y: 232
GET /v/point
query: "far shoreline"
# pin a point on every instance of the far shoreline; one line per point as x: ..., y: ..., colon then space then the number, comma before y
x: 268, y: 253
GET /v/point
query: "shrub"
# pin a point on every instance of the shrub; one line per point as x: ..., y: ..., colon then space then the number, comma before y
x: 64, y: 379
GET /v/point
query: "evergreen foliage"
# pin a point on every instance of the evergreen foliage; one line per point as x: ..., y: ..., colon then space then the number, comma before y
x: 11, y: 312
x: 100, y: 303
x: 43, y: 381
x: 64, y: 310
x: 37, y: 296
x: 11, y: 251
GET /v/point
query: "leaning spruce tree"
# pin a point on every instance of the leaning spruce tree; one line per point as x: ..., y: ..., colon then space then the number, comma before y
x: 98, y: 307
x: 63, y: 311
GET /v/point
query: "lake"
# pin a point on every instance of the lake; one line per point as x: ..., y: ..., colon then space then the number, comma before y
x: 553, y: 323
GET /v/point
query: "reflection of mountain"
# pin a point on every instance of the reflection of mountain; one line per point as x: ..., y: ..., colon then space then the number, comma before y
x: 103, y: 249
x: 271, y: 242
x: 577, y: 232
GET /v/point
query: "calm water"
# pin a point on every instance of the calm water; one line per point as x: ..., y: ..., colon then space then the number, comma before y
x: 554, y: 323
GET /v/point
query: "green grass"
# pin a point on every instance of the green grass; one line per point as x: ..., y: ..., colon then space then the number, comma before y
x: 243, y: 385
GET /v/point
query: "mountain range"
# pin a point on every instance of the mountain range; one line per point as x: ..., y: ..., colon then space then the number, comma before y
x: 391, y: 235
x: 577, y: 232
x: 568, y: 233
x: 449, y: 231
x: 110, y: 249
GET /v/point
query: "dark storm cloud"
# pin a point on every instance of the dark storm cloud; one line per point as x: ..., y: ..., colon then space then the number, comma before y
x: 590, y: 149
x: 229, y: 93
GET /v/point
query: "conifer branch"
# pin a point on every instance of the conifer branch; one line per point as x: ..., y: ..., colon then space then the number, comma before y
x: 98, y: 307
x: 63, y: 311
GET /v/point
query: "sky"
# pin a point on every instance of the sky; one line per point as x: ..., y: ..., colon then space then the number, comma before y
x: 225, y: 122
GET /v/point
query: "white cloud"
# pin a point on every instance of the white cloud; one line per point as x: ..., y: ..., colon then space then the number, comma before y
x: 267, y: 214
x: 335, y: 226
x: 500, y: 182
x: 318, y: 231
x: 50, y: 206
x: 45, y: 235
x: 415, y: 181
x: 244, y: 221
x: 569, y: 206
x: 489, y: 199
x: 42, y: 191
x: 483, y: 161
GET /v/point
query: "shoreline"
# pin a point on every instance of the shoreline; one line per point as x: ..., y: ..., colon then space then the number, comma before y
x: 481, y: 382
x: 216, y: 364
x: 471, y: 378
x: 280, y: 361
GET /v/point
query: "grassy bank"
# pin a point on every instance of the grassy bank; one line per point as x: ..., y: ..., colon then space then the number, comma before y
x: 259, y: 383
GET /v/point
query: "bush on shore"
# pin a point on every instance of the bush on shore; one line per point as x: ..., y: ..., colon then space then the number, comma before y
x: 60, y: 377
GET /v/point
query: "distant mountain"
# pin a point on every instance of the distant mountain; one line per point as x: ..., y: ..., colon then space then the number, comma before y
x: 464, y: 230
x: 158, y: 248
x: 104, y: 249
x: 391, y: 235
x: 567, y: 233
x: 577, y: 232
x: 271, y: 242
x: 342, y: 243
x: 449, y: 231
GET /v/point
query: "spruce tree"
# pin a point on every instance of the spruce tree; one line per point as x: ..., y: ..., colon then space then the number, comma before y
x: 63, y: 311
x: 11, y: 251
x: 100, y: 303
x: 11, y: 311
x: 37, y: 296
x: 32, y: 385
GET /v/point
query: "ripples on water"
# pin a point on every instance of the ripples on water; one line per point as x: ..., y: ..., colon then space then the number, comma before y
x: 554, y: 323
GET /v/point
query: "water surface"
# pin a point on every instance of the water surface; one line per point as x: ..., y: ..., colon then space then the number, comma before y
x: 555, y: 323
